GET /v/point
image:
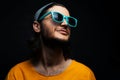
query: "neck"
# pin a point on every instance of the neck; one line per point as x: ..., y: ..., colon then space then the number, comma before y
x: 52, y: 60
x: 51, y: 52
x: 51, y: 56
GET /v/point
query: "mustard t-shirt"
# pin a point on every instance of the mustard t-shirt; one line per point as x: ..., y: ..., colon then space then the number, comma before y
x: 75, y: 71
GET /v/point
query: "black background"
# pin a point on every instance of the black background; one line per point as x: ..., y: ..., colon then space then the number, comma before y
x: 94, y: 41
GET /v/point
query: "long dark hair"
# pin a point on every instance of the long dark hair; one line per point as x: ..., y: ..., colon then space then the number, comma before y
x: 34, y: 42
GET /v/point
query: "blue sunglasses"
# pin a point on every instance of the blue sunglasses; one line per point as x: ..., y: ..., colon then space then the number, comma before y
x: 59, y: 18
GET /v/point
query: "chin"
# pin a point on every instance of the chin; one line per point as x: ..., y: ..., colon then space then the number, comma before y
x: 60, y: 42
x: 62, y: 39
x: 56, y: 40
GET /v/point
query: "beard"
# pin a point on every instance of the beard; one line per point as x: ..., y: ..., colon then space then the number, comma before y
x: 55, y: 42
x: 58, y: 43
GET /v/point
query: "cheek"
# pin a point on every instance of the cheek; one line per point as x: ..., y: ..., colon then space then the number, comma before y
x: 69, y: 30
x: 49, y: 27
x: 48, y: 30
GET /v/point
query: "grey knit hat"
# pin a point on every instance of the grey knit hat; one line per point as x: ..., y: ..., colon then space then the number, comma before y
x: 39, y: 11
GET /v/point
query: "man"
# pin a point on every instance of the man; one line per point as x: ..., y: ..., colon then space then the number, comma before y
x: 50, y: 45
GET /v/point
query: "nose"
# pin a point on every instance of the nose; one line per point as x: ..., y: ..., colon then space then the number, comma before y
x: 64, y: 23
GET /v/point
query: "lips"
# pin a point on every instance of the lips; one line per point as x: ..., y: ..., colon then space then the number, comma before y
x: 63, y: 31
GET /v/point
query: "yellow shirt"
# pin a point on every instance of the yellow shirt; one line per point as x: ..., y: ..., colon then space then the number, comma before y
x: 75, y: 71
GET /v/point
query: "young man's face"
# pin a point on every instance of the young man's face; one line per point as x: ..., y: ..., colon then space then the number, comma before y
x: 53, y: 30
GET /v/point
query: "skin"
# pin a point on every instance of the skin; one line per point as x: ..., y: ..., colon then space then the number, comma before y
x: 52, y: 58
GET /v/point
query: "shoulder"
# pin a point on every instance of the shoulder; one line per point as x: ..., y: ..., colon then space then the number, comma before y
x: 80, y: 65
x: 81, y: 71
x: 19, y: 67
x: 15, y: 73
x: 82, y: 68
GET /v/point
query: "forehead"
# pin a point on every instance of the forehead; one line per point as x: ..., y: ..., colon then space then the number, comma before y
x: 60, y: 9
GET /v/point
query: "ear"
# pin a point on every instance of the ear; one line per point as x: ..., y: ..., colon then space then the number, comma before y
x: 36, y: 26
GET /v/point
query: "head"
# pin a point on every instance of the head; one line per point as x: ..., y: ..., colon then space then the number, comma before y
x: 52, y: 24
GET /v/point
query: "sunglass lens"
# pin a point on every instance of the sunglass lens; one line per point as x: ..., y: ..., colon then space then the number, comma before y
x: 57, y: 17
x: 72, y: 21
